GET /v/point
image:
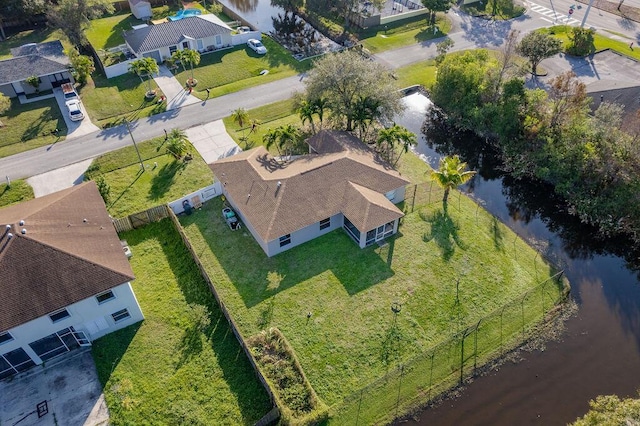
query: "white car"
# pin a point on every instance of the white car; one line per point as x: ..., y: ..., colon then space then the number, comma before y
x: 256, y: 46
x: 75, y: 112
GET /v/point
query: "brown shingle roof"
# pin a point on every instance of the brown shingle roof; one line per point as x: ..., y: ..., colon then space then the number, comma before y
x: 70, y: 251
x: 278, y: 199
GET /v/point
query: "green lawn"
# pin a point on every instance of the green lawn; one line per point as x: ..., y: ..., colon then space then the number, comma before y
x: 29, y: 126
x: 167, y: 370
x: 18, y: 191
x: 238, y: 68
x: 345, y: 344
x: 403, y: 33
x: 132, y: 191
x: 31, y: 36
x: 106, y: 32
x: 423, y: 73
x: 108, y: 101
x: 600, y: 42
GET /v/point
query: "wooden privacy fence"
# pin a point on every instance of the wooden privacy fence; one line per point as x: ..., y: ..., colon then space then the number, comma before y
x: 137, y: 220
x: 274, y: 413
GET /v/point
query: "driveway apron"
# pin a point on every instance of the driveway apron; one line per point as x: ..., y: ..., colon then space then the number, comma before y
x: 75, y: 128
x: 176, y: 94
x: 212, y: 141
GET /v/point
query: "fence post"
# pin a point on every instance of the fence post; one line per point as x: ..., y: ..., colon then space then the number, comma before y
x: 475, y: 347
x: 522, y: 306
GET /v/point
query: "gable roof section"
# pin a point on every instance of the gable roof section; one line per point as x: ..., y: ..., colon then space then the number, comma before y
x: 70, y: 251
x: 171, y: 33
x: 278, y: 199
x: 34, y: 59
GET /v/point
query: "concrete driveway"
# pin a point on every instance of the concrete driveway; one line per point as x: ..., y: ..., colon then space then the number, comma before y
x: 58, y: 179
x: 212, y: 141
x: 177, y: 96
x: 75, y: 128
x: 70, y: 387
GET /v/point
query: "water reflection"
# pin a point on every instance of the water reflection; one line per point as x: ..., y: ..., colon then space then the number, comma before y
x: 257, y: 13
x: 600, y: 352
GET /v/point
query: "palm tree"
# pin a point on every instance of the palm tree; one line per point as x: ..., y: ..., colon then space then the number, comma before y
x: 270, y: 138
x: 288, y: 136
x: 145, y: 67
x: 176, y: 57
x: 306, y: 111
x: 450, y: 174
x: 191, y: 57
x: 240, y: 117
x: 389, y: 138
x: 319, y: 105
x: 177, y: 143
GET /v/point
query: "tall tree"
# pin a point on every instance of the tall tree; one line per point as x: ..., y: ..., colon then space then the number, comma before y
x: 442, y: 48
x: 394, y: 141
x: 568, y: 97
x: 177, y: 143
x: 73, y: 17
x: 145, y: 67
x: 192, y: 58
x: 506, y: 62
x: 537, y: 46
x: 240, y: 117
x: 81, y: 66
x: 342, y: 79
x: 286, y: 139
x: 450, y: 174
x: 434, y: 6
x: 611, y: 410
x: 5, y: 104
x: 306, y: 111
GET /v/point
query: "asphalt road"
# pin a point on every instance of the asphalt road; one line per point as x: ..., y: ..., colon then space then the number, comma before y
x: 467, y: 33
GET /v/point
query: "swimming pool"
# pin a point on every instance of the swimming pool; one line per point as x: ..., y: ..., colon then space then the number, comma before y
x: 185, y: 13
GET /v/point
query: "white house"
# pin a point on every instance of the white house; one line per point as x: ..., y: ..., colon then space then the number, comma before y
x: 46, y: 61
x: 65, y: 277
x: 141, y: 9
x: 341, y: 184
x: 202, y: 33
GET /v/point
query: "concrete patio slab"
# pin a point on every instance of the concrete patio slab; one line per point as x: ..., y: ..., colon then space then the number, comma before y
x: 212, y: 141
x: 176, y: 94
x: 70, y: 387
x: 59, y: 179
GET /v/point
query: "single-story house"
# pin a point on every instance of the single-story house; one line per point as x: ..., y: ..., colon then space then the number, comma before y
x: 44, y: 60
x: 141, y: 9
x: 65, y: 277
x: 341, y: 183
x: 201, y: 33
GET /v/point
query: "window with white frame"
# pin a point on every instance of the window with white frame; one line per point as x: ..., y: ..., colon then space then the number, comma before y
x: 5, y: 337
x: 105, y: 297
x: 285, y: 239
x: 59, y: 315
x: 325, y: 223
x: 121, y: 315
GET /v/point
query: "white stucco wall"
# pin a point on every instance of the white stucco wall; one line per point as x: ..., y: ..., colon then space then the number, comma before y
x: 84, y: 315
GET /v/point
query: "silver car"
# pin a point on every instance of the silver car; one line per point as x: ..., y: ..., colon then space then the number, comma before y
x: 256, y: 46
x: 75, y: 112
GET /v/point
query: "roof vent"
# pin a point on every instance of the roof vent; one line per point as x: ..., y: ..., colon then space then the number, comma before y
x: 84, y: 220
x: 21, y: 223
x: 7, y: 228
x: 279, y: 183
x: 9, y: 235
x: 24, y: 231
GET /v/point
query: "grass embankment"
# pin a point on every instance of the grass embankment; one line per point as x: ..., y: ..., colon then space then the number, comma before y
x: 447, y: 270
x: 403, y: 33
x: 230, y: 70
x: 182, y: 364
x: 132, y: 191
x: 600, y: 42
x: 18, y: 191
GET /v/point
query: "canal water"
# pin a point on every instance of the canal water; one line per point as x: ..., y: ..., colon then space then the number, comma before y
x: 257, y: 13
x: 599, y: 352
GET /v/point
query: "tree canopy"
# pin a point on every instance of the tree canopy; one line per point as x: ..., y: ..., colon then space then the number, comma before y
x: 434, y: 6
x: 451, y: 173
x: 73, y: 17
x: 536, y: 46
x: 144, y: 67
x: 611, y: 410
x: 345, y: 81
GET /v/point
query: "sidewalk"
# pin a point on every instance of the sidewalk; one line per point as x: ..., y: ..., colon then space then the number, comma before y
x: 176, y: 94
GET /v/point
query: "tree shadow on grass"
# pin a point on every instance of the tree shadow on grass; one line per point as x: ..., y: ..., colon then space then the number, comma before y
x: 113, y: 203
x: 444, y: 232
x: 37, y: 126
x: 496, y: 234
x: 162, y: 181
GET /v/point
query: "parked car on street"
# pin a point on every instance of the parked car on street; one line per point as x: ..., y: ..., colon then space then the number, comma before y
x: 256, y: 46
x: 75, y: 111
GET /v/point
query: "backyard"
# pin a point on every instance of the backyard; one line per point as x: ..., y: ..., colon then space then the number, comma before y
x: 163, y: 180
x: 446, y: 269
x: 182, y: 364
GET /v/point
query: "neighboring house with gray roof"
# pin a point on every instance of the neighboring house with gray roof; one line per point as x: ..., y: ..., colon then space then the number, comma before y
x: 65, y: 277
x: 160, y: 41
x: 341, y: 184
x: 44, y: 60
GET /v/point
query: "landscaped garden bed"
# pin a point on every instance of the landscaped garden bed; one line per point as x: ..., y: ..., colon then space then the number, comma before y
x: 447, y: 271
x: 182, y: 364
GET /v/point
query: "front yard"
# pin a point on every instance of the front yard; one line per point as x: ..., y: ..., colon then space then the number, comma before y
x: 447, y: 270
x: 163, y: 180
x: 174, y: 368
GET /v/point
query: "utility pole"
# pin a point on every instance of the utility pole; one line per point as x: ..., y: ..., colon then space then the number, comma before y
x: 134, y: 144
x: 584, y: 19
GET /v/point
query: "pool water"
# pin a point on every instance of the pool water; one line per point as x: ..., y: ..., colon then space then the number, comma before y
x: 185, y: 13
